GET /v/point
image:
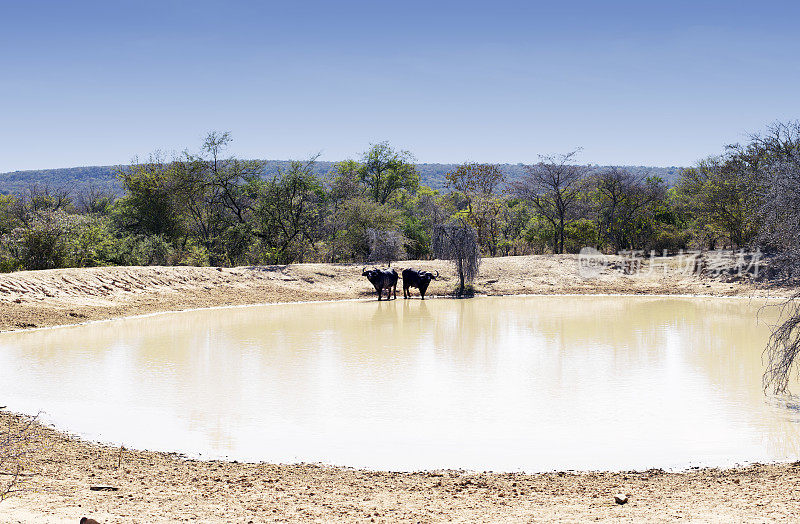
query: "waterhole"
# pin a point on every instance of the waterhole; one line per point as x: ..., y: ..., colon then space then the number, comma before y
x: 503, y: 384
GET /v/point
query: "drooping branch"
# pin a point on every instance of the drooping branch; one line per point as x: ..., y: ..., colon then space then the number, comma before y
x: 458, y: 243
x: 783, y: 348
x: 386, y: 245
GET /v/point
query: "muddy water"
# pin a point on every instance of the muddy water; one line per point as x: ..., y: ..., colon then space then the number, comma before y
x: 524, y: 383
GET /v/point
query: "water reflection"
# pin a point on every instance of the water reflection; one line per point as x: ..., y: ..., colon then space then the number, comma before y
x: 522, y: 383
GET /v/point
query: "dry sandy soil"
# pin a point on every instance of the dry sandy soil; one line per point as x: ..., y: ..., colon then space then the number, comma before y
x: 31, y: 299
x: 162, y: 487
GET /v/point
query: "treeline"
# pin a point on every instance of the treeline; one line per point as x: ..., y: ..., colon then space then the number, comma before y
x: 79, y: 179
x: 206, y: 208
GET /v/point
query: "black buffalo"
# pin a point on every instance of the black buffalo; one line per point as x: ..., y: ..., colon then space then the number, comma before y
x: 382, y: 279
x: 418, y: 279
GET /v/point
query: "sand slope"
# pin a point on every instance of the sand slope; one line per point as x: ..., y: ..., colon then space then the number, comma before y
x: 67, y: 296
x: 161, y: 487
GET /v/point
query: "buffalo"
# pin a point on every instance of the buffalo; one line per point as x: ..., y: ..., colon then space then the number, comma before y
x: 382, y: 279
x: 418, y: 279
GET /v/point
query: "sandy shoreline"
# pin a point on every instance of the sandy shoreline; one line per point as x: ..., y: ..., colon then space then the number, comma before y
x: 164, y: 487
x: 31, y: 299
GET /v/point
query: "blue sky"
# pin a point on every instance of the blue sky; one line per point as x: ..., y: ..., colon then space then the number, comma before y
x: 651, y: 83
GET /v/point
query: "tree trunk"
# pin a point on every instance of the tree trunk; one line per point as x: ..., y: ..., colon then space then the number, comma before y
x: 461, y: 278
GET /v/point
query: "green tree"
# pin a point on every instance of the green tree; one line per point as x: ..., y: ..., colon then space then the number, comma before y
x: 513, y: 219
x: 349, y: 224
x: 625, y: 205
x: 384, y: 171
x: 419, y: 212
x: 722, y: 195
x: 8, y: 218
x: 150, y: 205
x: 213, y: 197
x: 288, y: 211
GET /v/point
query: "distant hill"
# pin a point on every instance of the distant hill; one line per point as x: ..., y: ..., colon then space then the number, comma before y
x: 78, y: 179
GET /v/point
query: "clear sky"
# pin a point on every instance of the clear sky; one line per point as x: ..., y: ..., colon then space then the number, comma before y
x: 651, y: 83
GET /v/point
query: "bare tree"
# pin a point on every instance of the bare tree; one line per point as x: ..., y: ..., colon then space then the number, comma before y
x: 458, y: 242
x: 779, y: 166
x: 17, y: 438
x: 776, y: 156
x: 386, y: 245
x: 783, y: 348
x: 45, y: 197
x: 553, y: 186
x: 94, y: 200
x: 39, y: 199
x: 477, y: 184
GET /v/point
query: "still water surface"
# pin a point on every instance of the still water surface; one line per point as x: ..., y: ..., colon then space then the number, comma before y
x: 504, y: 383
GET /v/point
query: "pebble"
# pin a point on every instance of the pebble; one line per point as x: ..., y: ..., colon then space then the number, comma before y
x: 103, y: 488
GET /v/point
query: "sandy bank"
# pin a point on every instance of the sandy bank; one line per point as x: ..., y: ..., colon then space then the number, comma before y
x: 68, y: 296
x: 161, y: 487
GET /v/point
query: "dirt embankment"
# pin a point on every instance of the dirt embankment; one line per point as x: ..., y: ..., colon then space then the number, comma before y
x: 68, y: 296
x: 162, y: 487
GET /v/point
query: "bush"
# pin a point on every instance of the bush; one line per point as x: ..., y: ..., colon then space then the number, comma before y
x: 153, y: 250
x: 42, y: 243
x: 670, y: 239
x: 539, y: 234
x: 236, y: 241
x: 579, y: 234
x: 92, y: 243
x: 194, y: 255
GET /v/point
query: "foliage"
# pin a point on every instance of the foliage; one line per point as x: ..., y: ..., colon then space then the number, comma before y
x: 104, y: 178
x: 44, y: 241
x: 286, y: 212
x: 625, y: 207
x: 348, y: 225
x: 208, y: 208
x: 149, y: 205
x: 720, y: 194
x: 384, y: 171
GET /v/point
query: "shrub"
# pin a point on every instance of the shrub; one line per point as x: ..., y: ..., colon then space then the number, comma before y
x: 153, y: 250
x: 670, y: 239
x: 92, y: 242
x: 42, y: 242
